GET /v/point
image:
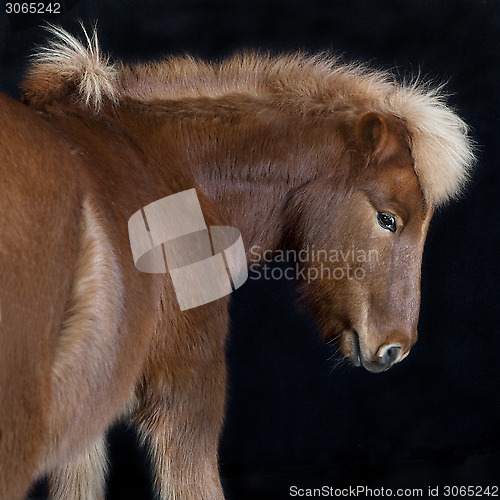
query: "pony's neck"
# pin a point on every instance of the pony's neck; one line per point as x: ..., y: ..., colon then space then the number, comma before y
x: 255, y: 208
x: 247, y: 169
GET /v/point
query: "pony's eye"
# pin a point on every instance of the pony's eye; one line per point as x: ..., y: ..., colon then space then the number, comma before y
x: 387, y: 221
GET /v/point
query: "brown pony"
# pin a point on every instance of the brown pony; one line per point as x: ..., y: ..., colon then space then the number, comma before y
x: 294, y: 151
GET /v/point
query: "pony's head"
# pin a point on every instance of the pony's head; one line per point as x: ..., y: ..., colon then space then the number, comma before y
x: 362, y: 235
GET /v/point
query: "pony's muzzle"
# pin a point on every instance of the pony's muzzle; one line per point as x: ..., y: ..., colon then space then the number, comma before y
x: 384, y: 357
x: 387, y: 355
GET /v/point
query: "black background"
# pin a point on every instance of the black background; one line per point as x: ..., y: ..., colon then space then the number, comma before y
x: 294, y: 416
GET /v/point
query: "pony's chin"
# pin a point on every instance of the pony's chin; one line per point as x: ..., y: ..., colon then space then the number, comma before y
x: 354, y: 355
x: 349, y: 346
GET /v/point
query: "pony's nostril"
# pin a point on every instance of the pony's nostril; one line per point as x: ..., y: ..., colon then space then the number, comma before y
x: 388, y: 354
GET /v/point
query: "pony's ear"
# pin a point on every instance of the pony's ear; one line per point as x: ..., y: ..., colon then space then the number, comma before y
x: 373, y: 132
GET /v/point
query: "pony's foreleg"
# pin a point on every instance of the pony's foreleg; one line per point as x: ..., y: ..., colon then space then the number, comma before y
x: 82, y: 479
x: 189, y: 472
x: 182, y: 413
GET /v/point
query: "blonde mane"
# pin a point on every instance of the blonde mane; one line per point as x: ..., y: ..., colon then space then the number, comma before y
x: 441, y: 148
